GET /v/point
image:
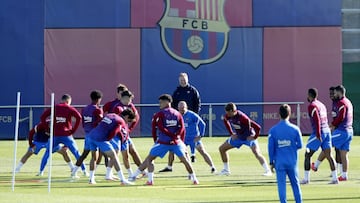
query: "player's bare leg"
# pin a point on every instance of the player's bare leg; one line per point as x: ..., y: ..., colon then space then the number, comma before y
x: 93, y: 162
x: 200, y: 148
x: 189, y: 168
x: 149, y: 164
x: 256, y: 151
x: 331, y: 160
x: 345, y: 165
x: 307, y: 160
x: 125, y: 156
x: 64, y: 152
x: 114, y: 157
x: 171, y: 159
x: 135, y: 155
x: 23, y: 160
x: 338, y: 161
x: 225, y: 157
x: 315, y: 165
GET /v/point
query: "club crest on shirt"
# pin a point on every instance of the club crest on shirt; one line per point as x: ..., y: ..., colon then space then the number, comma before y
x: 194, y: 31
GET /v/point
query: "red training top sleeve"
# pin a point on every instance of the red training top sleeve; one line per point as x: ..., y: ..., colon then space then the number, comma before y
x: 31, y: 136
x: 341, y: 114
x: 314, y: 114
x: 227, y: 125
x: 78, y: 119
x: 45, y: 115
x: 181, y: 130
x: 137, y: 118
x: 98, y: 114
x: 256, y: 127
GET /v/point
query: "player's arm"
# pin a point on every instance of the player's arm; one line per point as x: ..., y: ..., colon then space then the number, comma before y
x: 228, y: 126
x: 314, y: 114
x: 137, y: 118
x: 175, y: 99
x: 256, y: 128
x: 106, y: 107
x: 271, y: 149
x: 340, y: 116
x: 78, y: 119
x: 154, y: 121
x: 162, y: 128
x: 31, y: 136
x: 114, y: 132
x: 299, y: 142
x: 201, y: 125
x: 197, y: 101
x: 45, y: 115
x: 181, y: 130
x: 98, y: 115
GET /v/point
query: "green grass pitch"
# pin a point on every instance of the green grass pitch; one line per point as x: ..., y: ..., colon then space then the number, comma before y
x: 245, y: 184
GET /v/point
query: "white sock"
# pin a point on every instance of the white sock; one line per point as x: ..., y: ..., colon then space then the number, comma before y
x: 344, y: 174
x: 226, y: 166
x: 334, y: 174
x: 74, y: 170
x: 169, y: 167
x: 71, y: 165
x: 266, y: 167
x: 92, y: 175
x: 307, y: 175
x: 19, y: 166
x: 193, y: 176
x: 121, y: 175
x: 340, y: 168
x: 151, y: 176
x: 137, y: 172
x: 108, y: 172
x: 317, y: 163
x: 130, y: 172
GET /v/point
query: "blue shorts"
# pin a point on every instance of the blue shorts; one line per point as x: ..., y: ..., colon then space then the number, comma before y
x: 313, y: 143
x: 67, y: 141
x: 192, y: 144
x: 42, y: 145
x: 86, y: 143
x: 341, y: 139
x: 238, y: 142
x: 160, y: 150
x: 117, y: 145
x: 104, y: 146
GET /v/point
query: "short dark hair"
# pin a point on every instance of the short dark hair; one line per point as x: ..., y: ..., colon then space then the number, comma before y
x: 166, y: 97
x: 127, y: 93
x: 65, y: 97
x: 95, y: 95
x: 284, y: 111
x: 121, y: 87
x: 340, y: 88
x: 313, y: 92
x: 332, y: 88
x: 230, y: 107
x: 128, y: 112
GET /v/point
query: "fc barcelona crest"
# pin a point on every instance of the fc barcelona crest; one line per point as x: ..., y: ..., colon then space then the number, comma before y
x: 194, y: 31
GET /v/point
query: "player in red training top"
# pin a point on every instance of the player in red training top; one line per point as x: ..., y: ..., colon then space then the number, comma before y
x: 91, y: 116
x: 168, y: 132
x: 128, y: 147
x: 38, y: 139
x: 63, y: 129
x: 342, y: 128
x: 109, y: 107
x: 320, y: 137
x: 246, y: 133
x: 110, y: 126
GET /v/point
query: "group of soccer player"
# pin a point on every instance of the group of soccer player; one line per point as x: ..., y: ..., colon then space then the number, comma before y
x: 107, y: 131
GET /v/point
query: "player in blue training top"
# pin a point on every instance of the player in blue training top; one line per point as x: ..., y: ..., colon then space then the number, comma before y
x: 91, y: 116
x: 320, y: 137
x: 194, y: 130
x: 284, y: 142
x: 168, y: 134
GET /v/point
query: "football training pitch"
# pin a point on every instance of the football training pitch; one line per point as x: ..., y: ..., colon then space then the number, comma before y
x: 245, y: 184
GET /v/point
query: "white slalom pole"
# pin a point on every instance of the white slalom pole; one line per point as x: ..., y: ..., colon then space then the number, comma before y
x: 51, y: 140
x: 16, y: 138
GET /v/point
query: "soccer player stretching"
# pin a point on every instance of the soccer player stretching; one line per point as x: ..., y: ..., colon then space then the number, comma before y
x: 246, y: 132
x: 284, y: 142
x: 168, y: 134
x: 39, y: 139
x: 91, y: 116
x: 110, y: 126
x: 63, y: 128
x: 194, y: 130
x: 320, y: 137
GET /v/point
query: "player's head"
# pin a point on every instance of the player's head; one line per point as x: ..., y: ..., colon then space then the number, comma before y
x: 96, y: 96
x: 165, y: 101
x: 66, y: 98
x: 339, y: 91
x: 182, y: 107
x: 128, y: 115
x: 332, y: 93
x: 119, y: 89
x: 284, y: 111
x: 126, y: 97
x: 230, y: 109
x: 312, y: 94
x: 183, y: 79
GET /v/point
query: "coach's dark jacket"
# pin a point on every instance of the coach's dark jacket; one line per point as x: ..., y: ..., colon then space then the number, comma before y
x: 190, y: 95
